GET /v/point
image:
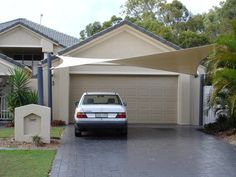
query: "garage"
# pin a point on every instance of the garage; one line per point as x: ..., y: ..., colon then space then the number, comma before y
x: 150, y: 99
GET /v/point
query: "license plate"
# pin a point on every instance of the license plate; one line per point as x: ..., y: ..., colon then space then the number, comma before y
x: 101, y: 115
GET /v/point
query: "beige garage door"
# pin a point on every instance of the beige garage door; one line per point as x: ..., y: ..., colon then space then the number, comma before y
x: 150, y: 99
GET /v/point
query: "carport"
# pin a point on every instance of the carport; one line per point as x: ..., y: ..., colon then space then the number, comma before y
x: 182, y: 61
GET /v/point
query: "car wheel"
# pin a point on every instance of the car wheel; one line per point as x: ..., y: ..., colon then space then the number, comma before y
x: 124, y: 131
x: 78, y: 133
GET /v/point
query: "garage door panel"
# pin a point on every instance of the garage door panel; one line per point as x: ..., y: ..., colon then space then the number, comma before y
x: 150, y: 99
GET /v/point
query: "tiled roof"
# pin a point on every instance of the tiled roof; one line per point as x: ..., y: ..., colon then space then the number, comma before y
x: 124, y: 22
x: 57, y: 37
x: 10, y: 60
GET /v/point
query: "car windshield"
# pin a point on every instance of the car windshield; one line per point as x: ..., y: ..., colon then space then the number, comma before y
x: 101, y: 99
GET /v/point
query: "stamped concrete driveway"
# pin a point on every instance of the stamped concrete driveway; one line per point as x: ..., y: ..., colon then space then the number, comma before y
x: 147, y: 152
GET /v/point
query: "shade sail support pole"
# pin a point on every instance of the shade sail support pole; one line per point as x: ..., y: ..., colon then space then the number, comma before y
x: 40, y: 85
x: 49, y: 64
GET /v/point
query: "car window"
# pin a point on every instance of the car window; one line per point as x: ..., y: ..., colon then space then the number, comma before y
x: 101, y: 99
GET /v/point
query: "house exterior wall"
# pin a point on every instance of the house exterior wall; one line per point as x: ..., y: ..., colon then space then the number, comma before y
x: 122, y: 43
x: 195, y: 99
x: 19, y: 37
x: 33, y: 84
x: 5, y: 67
x: 23, y: 37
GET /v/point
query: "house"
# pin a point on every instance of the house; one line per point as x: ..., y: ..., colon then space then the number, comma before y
x: 28, y: 42
x: 25, y: 43
x: 153, y: 96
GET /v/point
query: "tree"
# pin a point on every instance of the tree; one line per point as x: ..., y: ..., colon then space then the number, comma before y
x: 90, y: 29
x: 171, y: 14
x: 195, y: 23
x: 228, y: 9
x: 140, y: 9
x: 96, y: 27
x: 189, y: 39
x: 222, y: 68
x: 113, y: 21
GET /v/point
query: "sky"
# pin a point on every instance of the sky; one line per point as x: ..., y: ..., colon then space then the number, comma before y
x: 71, y: 16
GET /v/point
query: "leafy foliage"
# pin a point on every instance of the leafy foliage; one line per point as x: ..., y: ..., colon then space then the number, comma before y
x: 37, y: 140
x: 222, y: 70
x: 96, y: 27
x: 170, y: 20
x: 20, y: 93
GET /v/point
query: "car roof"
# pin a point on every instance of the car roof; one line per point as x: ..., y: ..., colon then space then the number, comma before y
x: 100, y: 93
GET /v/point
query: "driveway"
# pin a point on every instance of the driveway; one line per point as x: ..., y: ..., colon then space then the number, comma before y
x: 158, y: 151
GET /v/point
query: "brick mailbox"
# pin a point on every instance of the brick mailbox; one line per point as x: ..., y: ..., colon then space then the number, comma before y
x: 31, y: 120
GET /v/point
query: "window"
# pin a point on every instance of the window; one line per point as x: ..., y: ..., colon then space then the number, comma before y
x: 101, y: 99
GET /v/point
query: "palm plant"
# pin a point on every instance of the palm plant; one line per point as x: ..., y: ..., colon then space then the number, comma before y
x: 222, y: 68
x: 20, y: 93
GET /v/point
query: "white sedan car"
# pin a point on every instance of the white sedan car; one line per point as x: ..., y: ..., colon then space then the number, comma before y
x: 100, y: 110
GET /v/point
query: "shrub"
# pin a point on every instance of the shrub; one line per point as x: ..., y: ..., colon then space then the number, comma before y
x: 20, y: 93
x: 58, y: 123
x: 9, y: 124
x: 37, y: 140
x: 222, y: 123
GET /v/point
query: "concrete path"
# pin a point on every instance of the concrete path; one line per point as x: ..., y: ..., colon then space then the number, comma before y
x: 147, y: 152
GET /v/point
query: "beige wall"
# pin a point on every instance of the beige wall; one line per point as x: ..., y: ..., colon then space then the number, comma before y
x: 184, y: 99
x: 115, y: 69
x: 61, y: 94
x: 120, y: 44
x: 21, y: 36
x: 33, y: 84
x: 188, y: 100
x: 195, y: 100
x: 5, y: 67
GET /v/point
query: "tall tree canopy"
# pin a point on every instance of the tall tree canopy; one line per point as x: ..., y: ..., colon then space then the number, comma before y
x: 173, y: 21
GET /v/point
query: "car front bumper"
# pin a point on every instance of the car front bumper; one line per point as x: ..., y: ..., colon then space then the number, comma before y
x: 86, y: 124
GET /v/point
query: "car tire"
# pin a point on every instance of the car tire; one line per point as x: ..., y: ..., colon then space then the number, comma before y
x: 125, y: 132
x: 78, y: 133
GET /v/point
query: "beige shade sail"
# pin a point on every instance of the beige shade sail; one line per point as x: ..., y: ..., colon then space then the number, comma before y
x: 181, y: 61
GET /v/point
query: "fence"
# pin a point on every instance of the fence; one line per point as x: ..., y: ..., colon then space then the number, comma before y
x: 208, y: 115
x: 4, y: 113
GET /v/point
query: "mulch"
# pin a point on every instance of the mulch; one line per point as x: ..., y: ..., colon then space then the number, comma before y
x: 11, y: 143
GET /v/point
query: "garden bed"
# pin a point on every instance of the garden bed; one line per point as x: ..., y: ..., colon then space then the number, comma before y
x: 7, y: 140
x: 228, y: 136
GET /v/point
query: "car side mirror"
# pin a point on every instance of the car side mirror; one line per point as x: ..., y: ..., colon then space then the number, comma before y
x: 125, y: 104
x: 76, y: 103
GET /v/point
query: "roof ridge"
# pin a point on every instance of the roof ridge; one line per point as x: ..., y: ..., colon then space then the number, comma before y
x: 48, y: 28
x: 10, y: 21
x: 61, y: 38
x: 11, y: 60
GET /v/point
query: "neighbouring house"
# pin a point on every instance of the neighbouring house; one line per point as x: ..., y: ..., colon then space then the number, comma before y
x: 153, y: 96
x: 25, y: 43
x: 6, y: 64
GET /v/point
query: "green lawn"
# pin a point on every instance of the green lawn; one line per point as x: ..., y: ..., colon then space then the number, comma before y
x: 9, y: 132
x: 56, y: 132
x: 27, y: 163
x: 6, y: 132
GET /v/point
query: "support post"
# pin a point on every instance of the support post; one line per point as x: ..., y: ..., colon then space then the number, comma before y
x: 40, y: 85
x: 201, y: 100
x: 49, y: 63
